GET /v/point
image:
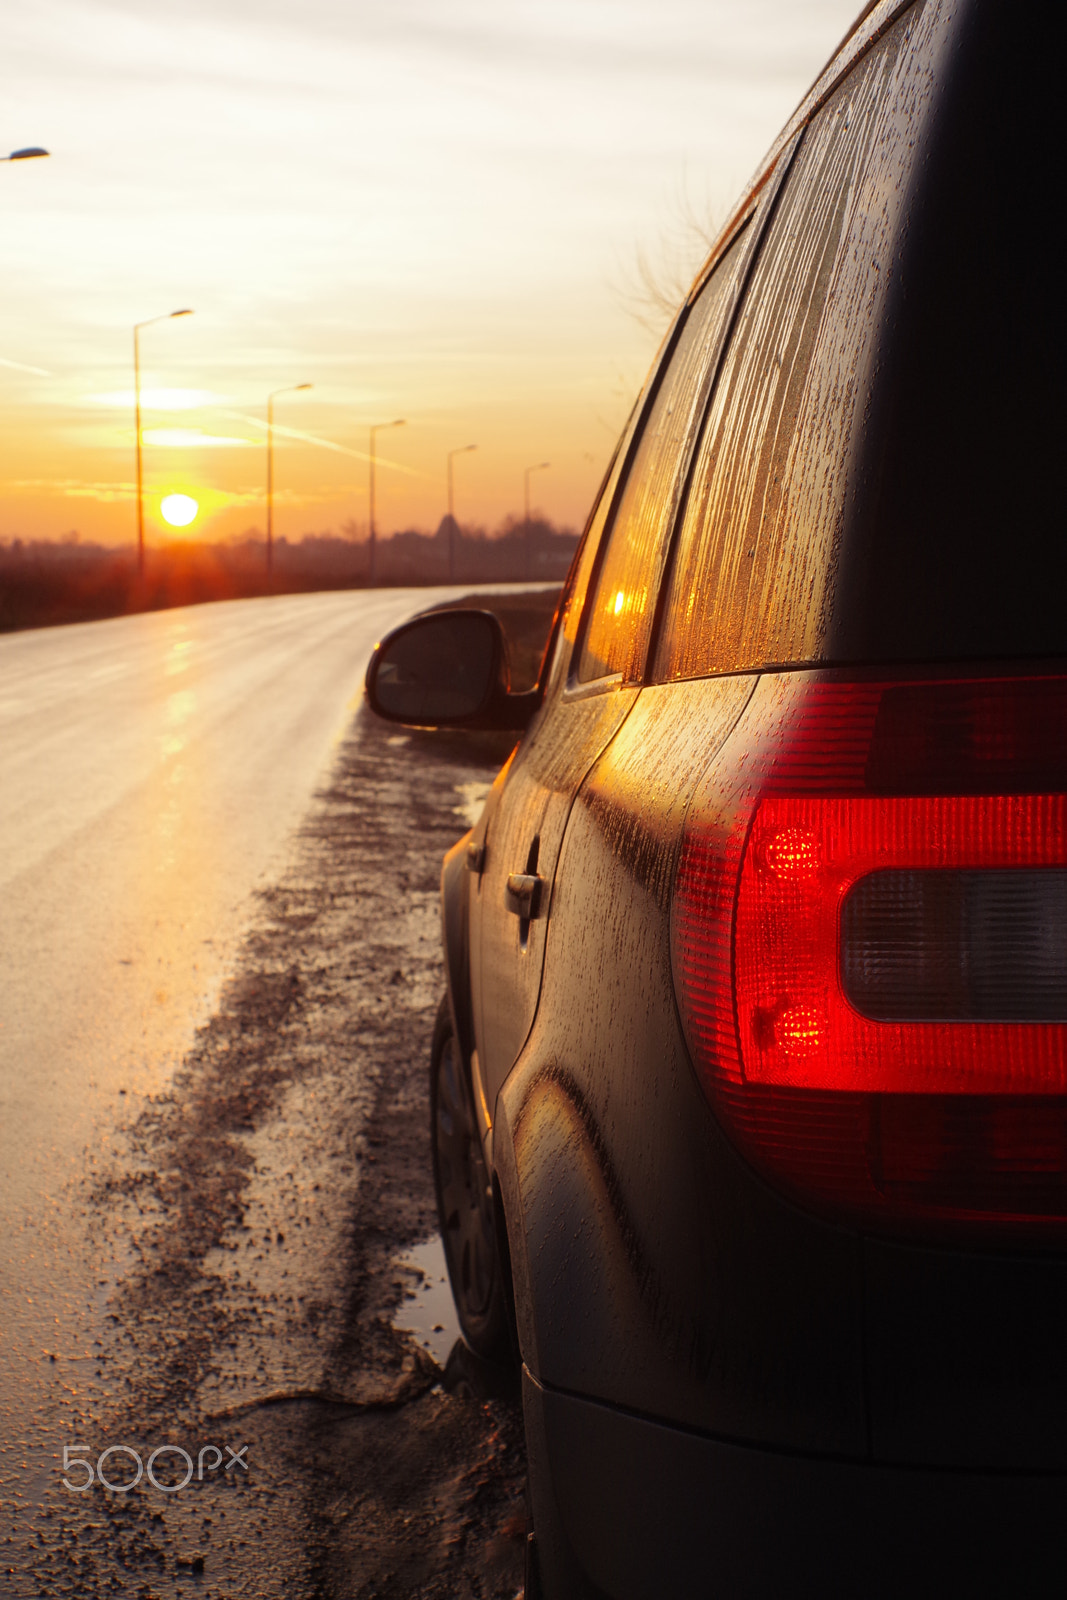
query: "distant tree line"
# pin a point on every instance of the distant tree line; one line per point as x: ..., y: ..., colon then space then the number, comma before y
x: 44, y: 582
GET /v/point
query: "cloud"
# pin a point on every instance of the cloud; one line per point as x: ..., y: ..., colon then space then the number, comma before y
x: 75, y: 488
x: 156, y: 399
x: 339, y: 449
x: 21, y: 366
x: 191, y: 439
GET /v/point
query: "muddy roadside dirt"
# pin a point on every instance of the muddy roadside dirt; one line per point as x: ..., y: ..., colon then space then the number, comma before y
x: 255, y: 1221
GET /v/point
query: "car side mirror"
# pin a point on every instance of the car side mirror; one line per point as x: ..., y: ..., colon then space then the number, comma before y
x: 447, y: 669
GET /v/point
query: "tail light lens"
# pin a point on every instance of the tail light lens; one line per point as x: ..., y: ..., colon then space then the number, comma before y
x: 874, y: 981
x: 957, y: 946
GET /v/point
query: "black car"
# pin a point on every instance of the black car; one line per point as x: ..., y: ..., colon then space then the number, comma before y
x: 750, y: 1091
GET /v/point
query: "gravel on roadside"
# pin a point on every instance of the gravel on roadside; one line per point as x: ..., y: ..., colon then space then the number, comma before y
x: 257, y: 1213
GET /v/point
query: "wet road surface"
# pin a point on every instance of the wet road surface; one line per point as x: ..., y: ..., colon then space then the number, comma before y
x: 207, y: 1188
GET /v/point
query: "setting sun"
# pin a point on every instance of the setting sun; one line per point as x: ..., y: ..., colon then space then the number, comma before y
x: 178, y: 509
x: 512, y: 145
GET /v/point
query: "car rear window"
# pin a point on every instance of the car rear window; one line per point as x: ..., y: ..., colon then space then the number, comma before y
x: 755, y: 544
x: 620, y: 614
x: 876, y: 481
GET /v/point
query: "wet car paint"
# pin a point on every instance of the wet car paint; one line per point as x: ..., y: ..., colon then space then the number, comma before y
x: 679, y: 1288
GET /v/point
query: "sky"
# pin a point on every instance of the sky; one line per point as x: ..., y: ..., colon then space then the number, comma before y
x: 428, y: 211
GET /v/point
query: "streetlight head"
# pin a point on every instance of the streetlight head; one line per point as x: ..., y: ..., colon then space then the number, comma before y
x: 298, y: 386
x: 29, y: 154
x: 187, y: 312
x: 399, y: 423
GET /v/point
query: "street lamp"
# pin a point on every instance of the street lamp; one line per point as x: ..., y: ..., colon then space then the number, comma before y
x: 461, y: 451
x: 289, y: 388
x: 166, y: 317
x: 29, y: 154
x: 377, y: 428
x: 540, y: 467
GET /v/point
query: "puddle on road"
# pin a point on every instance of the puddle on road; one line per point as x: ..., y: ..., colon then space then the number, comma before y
x: 427, y: 1310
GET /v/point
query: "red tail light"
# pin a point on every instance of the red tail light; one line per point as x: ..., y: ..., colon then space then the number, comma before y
x: 870, y: 945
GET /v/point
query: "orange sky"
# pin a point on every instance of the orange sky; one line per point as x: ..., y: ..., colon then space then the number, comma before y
x: 428, y: 212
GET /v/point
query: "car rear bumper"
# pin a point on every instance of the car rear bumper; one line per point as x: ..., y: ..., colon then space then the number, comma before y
x: 630, y: 1508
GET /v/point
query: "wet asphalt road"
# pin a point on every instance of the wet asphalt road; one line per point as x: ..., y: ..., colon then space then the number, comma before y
x: 212, y: 1104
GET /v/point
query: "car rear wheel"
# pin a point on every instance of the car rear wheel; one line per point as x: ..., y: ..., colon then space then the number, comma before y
x: 465, y: 1200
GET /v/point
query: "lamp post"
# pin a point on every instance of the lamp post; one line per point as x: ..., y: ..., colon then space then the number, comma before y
x: 29, y: 154
x: 461, y: 451
x: 377, y: 428
x: 167, y: 316
x: 289, y: 388
x: 540, y: 467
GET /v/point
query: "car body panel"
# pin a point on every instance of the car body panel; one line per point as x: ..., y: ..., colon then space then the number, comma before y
x: 965, y: 1357
x: 524, y: 836
x: 683, y: 1288
x: 522, y: 826
x: 648, y: 1511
